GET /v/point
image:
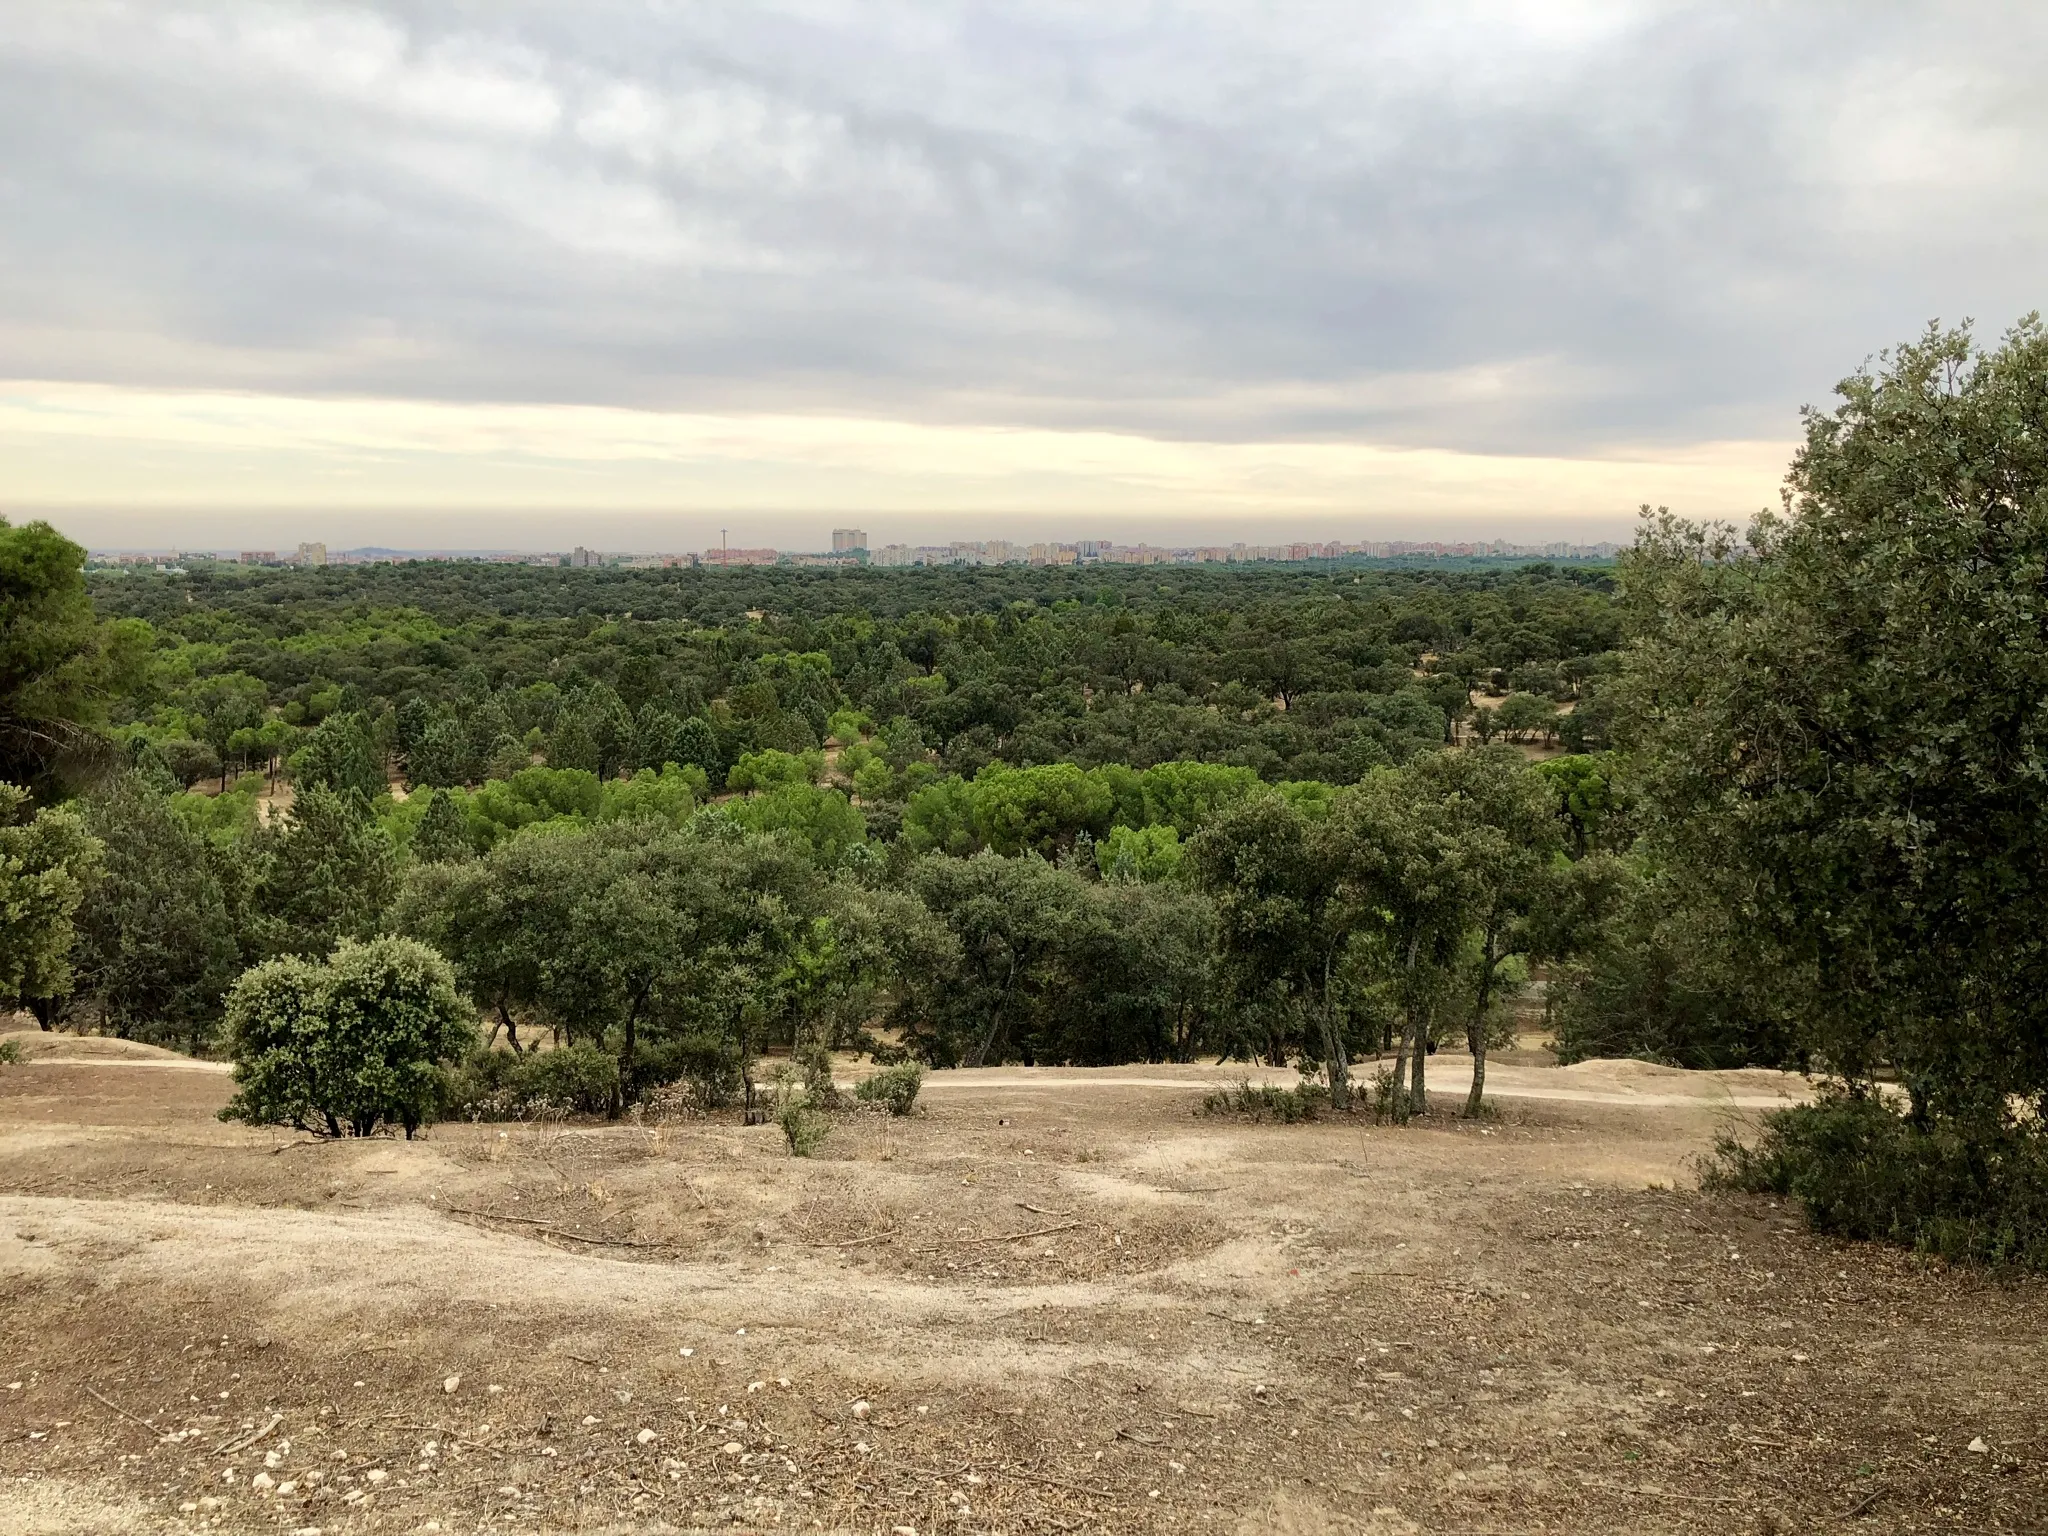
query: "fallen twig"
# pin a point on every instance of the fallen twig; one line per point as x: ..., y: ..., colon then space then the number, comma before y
x: 110, y: 1403
x: 1133, y: 1435
x: 857, y: 1242
x: 1002, y: 1237
x: 1039, y: 1210
x: 541, y: 1226
x: 1865, y: 1502
x: 248, y: 1440
x: 1659, y: 1493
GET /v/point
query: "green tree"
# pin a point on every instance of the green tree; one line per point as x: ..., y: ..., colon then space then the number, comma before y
x: 345, y: 1045
x: 1506, y: 817
x: 159, y: 937
x: 341, y: 755
x: 1275, y: 875
x: 59, y: 665
x: 47, y: 861
x: 443, y: 833
x: 1839, y: 728
x: 328, y: 872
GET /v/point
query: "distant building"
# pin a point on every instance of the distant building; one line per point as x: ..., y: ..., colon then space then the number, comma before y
x: 312, y: 554
x: 258, y: 557
x: 849, y: 541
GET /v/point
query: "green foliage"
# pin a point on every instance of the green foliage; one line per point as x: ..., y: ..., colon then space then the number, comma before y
x: 804, y: 1128
x: 1863, y: 1171
x: 1838, y: 729
x: 229, y: 817
x: 327, y: 872
x: 345, y: 1045
x: 775, y: 770
x: 1139, y: 855
x: 59, y: 664
x: 10, y: 1053
x: 822, y: 821
x: 895, y: 1087
x: 341, y: 756
x: 47, y: 862
x: 1265, y: 1101
x: 161, y: 931
x: 506, y: 1085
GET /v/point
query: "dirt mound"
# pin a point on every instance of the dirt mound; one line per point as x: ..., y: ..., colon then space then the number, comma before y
x: 44, y: 1045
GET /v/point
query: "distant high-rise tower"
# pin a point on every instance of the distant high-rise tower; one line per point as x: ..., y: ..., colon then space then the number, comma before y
x: 849, y: 541
x: 312, y: 554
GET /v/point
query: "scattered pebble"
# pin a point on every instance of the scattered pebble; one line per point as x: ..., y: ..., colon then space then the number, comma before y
x: 645, y: 1437
x: 451, y: 1383
x: 862, y: 1409
x: 1978, y: 1447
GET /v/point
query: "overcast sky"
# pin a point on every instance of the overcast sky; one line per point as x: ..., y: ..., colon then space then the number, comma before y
x: 446, y: 273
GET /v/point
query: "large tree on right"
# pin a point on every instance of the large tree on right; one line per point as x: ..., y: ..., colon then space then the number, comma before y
x: 1840, y: 726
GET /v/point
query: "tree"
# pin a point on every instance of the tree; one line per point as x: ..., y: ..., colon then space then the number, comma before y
x: 159, y: 940
x: 1839, y: 727
x: 328, y: 872
x: 443, y: 833
x: 345, y: 1045
x: 47, y: 860
x: 1273, y: 874
x: 1011, y: 919
x: 1405, y: 858
x: 1507, y: 819
x: 59, y: 665
x: 341, y: 755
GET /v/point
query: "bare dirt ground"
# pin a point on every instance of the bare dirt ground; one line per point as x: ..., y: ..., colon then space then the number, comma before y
x: 1051, y: 1301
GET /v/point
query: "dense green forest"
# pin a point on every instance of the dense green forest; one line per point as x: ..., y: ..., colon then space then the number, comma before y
x: 668, y: 820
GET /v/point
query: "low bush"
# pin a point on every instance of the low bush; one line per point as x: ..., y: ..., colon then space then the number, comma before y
x: 895, y: 1086
x: 804, y: 1126
x: 1863, y: 1171
x: 345, y: 1045
x: 1263, y: 1101
x: 9, y: 1053
x: 504, y: 1085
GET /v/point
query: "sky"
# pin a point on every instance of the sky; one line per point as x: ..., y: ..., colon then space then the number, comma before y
x: 490, y: 273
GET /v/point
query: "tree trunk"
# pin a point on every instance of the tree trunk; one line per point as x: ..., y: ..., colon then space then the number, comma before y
x: 511, y: 1027
x: 1418, y: 1094
x: 1475, y: 1032
x: 1334, y: 1059
x: 995, y: 1027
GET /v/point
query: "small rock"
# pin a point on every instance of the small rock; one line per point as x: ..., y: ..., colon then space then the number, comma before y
x: 273, y: 1460
x: 862, y: 1409
x: 288, y: 1486
x: 451, y: 1383
x: 686, y: 1353
x: 645, y: 1437
x: 732, y: 1447
x: 375, y: 1476
x: 1977, y: 1447
x: 263, y: 1482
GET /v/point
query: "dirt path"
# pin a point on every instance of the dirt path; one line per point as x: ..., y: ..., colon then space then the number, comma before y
x: 1052, y: 1301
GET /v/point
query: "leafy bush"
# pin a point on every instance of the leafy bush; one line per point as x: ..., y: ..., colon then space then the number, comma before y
x: 895, y: 1086
x: 708, y: 1063
x: 10, y: 1053
x: 494, y: 1085
x: 1862, y: 1170
x: 345, y: 1045
x: 1263, y: 1101
x: 804, y: 1127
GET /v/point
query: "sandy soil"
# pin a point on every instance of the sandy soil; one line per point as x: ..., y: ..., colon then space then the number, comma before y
x: 1051, y: 1301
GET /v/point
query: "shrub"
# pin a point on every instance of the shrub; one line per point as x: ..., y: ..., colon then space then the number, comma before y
x: 707, y: 1062
x: 1263, y: 1101
x: 497, y: 1085
x: 1861, y: 1170
x: 895, y: 1086
x: 10, y: 1053
x: 342, y: 1046
x: 803, y: 1126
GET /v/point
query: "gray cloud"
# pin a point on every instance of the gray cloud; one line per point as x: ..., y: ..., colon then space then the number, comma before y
x: 1509, y: 228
